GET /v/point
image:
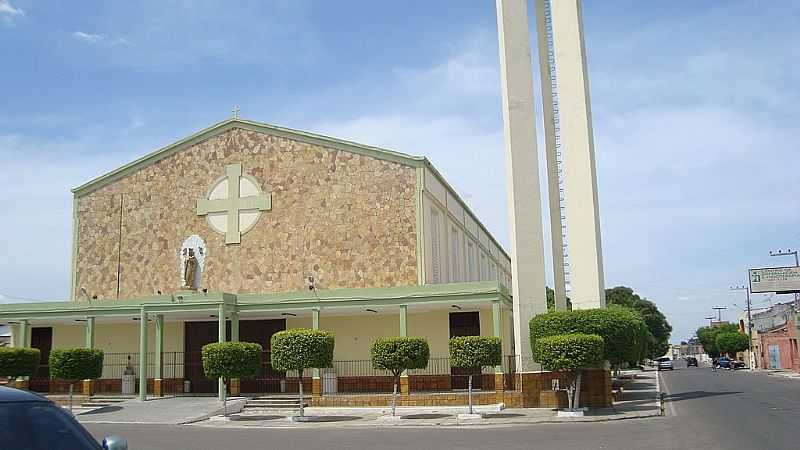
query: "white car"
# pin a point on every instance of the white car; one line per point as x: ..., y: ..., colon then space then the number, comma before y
x: 664, y: 364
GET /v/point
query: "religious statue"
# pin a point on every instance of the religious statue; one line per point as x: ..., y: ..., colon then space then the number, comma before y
x: 189, y: 270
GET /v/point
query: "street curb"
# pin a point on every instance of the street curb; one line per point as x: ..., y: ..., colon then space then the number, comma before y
x: 660, y: 394
x: 233, y: 407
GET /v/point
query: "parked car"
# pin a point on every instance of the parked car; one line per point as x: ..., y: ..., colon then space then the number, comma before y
x: 691, y: 361
x: 665, y: 363
x: 738, y: 364
x: 30, y: 421
x: 724, y: 362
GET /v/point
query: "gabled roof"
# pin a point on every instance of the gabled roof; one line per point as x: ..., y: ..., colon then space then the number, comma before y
x: 222, y: 127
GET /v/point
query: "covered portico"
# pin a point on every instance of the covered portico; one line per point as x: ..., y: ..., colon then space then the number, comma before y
x: 153, y: 332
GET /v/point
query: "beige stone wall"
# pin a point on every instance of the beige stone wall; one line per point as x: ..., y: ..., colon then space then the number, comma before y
x: 349, y: 217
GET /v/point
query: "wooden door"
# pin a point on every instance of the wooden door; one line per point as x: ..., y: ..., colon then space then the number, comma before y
x: 465, y: 324
x: 42, y: 338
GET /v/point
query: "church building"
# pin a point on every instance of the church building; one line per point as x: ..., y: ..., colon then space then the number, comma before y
x: 244, y: 229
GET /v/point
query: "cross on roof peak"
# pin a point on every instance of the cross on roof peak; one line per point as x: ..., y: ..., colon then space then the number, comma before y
x: 235, y: 112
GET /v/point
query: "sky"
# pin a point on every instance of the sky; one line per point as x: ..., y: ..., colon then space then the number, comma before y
x: 695, y: 109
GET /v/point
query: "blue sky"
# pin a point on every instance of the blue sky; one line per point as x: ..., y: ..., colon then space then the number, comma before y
x: 695, y: 117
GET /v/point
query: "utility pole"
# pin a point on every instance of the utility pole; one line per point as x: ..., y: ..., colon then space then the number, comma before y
x: 710, y: 320
x: 749, y: 323
x: 789, y: 252
x: 719, y: 312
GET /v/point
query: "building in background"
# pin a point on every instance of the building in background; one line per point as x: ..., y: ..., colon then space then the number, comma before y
x: 777, y: 331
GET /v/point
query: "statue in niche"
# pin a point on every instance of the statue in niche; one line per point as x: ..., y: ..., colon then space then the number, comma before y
x: 190, y: 270
x: 192, y: 262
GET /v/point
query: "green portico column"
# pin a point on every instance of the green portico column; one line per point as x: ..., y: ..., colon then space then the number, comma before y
x: 404, y: 386
x: 315, y: 326
x: 234, y: 315
x: 90, y: 332
x: 497, y: 326
x: 143, y: 355
x: 221, y: 338
x: 159, y: 346
x: 24, y: 331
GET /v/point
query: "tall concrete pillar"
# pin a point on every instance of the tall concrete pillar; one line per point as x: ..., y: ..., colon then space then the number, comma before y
x: 522, y: 169
x: 143, y: 354
x: 577, y: 142
x: 551, y: 152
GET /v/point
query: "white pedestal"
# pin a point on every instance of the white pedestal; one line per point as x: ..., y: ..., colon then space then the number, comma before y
x: 128, y: 384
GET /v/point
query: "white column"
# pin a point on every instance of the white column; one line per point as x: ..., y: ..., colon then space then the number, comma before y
x: 556, y: 237
x: 522, y: 173
x: 577, y: 142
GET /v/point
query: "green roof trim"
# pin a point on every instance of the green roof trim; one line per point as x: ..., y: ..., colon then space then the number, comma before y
x: 230, y: 124
x: 485, y: 291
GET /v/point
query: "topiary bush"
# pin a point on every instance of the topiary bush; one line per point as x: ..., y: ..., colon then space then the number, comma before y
x: 302, y: 348
x: 475, y: 352
x: 621, y: 330
x: 569, y: 353
x: 18, y: 362
x: 398, y: 354
x: 229, y: 360
x: 75, y: 364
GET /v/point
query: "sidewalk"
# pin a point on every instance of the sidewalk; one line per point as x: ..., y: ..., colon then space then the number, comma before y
x: 783, y: 373
x: 641, y: 399
x: 167, y: 410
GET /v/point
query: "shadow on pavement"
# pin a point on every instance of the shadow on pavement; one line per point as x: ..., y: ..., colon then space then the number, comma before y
x: 696, y: 394
x: 334, y: 418
x: 502, y: 416
x: 425, y: 416
x: 255, y: 418
x: 103, y: 410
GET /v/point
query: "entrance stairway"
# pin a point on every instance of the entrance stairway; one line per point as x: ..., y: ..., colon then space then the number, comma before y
x: 273, y: 404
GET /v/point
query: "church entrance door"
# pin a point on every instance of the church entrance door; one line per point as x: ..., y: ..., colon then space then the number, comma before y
x: 465, y: 324
x: 42, y: 338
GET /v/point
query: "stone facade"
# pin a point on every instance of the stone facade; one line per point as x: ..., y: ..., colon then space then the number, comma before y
x: 348, y: 217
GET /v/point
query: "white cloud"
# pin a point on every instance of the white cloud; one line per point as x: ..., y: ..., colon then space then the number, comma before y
x: 99, y: 38
x: 7, y: 11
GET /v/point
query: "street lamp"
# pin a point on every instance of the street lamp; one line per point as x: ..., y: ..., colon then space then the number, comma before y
x: 788, y: 252
x: 710, y: 320
x: 740, y: 287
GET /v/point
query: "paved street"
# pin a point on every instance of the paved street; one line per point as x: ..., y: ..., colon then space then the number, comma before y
x: 705, y: 410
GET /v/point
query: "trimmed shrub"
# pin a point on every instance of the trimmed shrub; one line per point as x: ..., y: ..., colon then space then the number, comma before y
x: 620, y: 329
x: 302, y: 348
x: 475, y: 352
x: 18, y: 362
x: 75, y: 364
x: 397, y: 354
x: 229, y: 360
x: 299, y: 349
x: 570, y: 353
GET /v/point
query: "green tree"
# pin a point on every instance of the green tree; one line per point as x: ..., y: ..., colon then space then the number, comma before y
x: 551, y: 299
x: 475, y: 352
x: 569, y: 353
x: 76, y: 364
x: 708, y: 337
x: 657, y: 325
x: 398, y: 354
x: 622, y: 330
x: 229, y: 360
x: 731, y: 343
x: 18, y: 362
x: 299, y: 349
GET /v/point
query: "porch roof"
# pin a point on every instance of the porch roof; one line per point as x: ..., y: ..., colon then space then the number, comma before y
x: 286, y: 301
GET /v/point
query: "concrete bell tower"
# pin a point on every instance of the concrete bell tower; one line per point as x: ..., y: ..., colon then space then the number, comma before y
x: 563, y: 69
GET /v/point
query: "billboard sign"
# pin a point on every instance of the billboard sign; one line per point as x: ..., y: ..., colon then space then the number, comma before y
x: 775, y: 279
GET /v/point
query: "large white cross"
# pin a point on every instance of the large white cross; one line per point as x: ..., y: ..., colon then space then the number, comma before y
x: 234, y: 204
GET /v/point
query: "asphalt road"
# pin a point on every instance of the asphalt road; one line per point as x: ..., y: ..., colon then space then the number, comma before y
x: 705, y: 410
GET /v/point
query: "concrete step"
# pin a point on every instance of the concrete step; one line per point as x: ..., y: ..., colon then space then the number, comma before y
x: 272, y: 405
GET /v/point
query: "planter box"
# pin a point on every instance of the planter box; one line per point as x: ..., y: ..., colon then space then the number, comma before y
x: 553, y: 399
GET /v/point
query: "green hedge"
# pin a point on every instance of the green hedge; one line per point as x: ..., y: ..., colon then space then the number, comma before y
x: 231, y: 359
x: 76, y: 363
x: 475, y: 352
x: 400, y: 353
x: 18, y: 362
x: 622, y: 330
x: 302, y: 348
x: 569, y: 352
